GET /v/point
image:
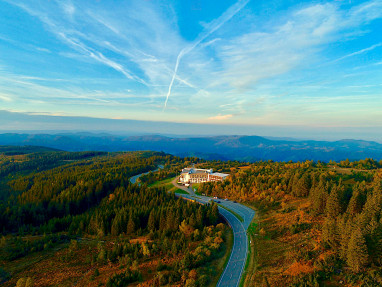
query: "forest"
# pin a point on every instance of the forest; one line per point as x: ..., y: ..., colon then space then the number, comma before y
x: 318, y: 224
x: 78, y: 217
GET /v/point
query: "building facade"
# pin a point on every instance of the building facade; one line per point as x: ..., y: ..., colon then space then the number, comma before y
x: 198, y: 175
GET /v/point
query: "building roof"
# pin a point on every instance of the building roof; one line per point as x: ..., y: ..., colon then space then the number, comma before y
x: 196, y: 170
x: 220, y: 174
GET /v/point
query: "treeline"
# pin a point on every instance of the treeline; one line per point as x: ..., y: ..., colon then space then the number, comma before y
x: 16, y: 247
x: 135, y: 210
x: 20, y: 150
x: 39, y: 161
x: 69, y: 189
x: 367, y: 163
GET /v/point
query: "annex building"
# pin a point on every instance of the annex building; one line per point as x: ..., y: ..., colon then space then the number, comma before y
x: 197, y: 175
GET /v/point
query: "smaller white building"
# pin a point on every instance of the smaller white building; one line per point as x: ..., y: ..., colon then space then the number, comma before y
x: 198, y: 175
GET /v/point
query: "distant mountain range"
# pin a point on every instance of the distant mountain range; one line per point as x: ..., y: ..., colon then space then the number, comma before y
x: 244, y: 148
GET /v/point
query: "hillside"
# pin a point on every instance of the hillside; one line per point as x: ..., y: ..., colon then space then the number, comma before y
x: 317, y: 224
x: 74, y: 218
x: 244, y: 148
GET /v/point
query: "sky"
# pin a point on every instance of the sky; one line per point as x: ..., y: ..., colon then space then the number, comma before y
x: 276, y: 63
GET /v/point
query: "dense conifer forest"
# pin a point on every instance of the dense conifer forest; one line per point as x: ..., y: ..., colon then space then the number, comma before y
x: 80, y: 211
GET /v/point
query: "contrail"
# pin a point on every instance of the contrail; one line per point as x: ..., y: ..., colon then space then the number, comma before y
x: 216, y: 24
x: 359, y: 52
x: 173, y: 78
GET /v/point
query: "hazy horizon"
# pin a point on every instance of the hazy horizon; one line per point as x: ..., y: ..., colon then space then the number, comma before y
x: 27, y: 123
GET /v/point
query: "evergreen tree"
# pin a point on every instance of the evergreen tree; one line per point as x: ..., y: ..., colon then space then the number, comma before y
x: 333, y: 207
x: 116, y: 226
x: 329, y: 232
x: 373, y: 239
x: 357, y: 256
x: 355, y: 204
x: 302, y: 187
x: 318, y: 197
x: 344, y: 229
x: 199, y: 217
x: 214, y: 214
x: 151, y: 221
x: 130, y: 225
x: 170, y: 219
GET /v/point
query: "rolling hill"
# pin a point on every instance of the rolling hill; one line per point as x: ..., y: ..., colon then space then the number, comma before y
x: 245, y: 148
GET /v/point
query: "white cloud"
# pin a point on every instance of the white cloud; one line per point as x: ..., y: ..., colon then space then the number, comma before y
x: 5, y: 98
x: 225, y: 71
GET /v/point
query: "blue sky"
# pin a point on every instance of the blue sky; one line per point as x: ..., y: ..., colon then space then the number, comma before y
x: 269, y: 63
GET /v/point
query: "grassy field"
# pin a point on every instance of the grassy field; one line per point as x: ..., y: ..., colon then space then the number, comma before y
x: 167, y: 184
x: 195, y: 187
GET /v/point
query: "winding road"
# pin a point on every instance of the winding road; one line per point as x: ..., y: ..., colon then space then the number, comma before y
x: 232, y: 273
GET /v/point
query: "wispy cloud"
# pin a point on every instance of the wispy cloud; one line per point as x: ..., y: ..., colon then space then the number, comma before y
x: 235, y: 65
x: 70, y: 36
x: 5, y: 98
x: 211, y: 28
x: 362, y: 51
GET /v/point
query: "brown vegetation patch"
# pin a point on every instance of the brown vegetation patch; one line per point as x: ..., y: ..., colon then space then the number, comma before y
x: 298, y: 268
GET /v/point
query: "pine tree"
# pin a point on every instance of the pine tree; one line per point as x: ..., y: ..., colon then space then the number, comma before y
x: 170, y: 218
x: 162, y: 221
x: 151, y: 221
x: 373, y: 239
x: 373, y: 206
x: 115, y: 226
x: 199, y: 217
x: 344, y: 229
x: 294, y: 183
x: 130, y: 226
x: 355, y: 205
x: 329, y: 232
x: 357, y: 256
x: 214, y: 214
x: 174, y: 248
x: 302, y: 187
x: 333, y: 207
x: 319, y: 197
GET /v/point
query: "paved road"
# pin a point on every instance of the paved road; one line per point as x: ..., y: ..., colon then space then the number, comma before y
x: 134, y: 178
x: 232, y: 273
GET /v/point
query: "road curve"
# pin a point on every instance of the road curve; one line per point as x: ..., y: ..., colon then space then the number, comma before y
x: 232, y: 273
x: 134, y: 178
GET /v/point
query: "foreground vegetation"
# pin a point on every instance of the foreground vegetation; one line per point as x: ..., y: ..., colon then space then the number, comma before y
x: 317, y: 224
x: 75, y: 219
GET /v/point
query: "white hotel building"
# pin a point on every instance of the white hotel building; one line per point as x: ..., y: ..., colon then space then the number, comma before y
x: 197, y: 175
